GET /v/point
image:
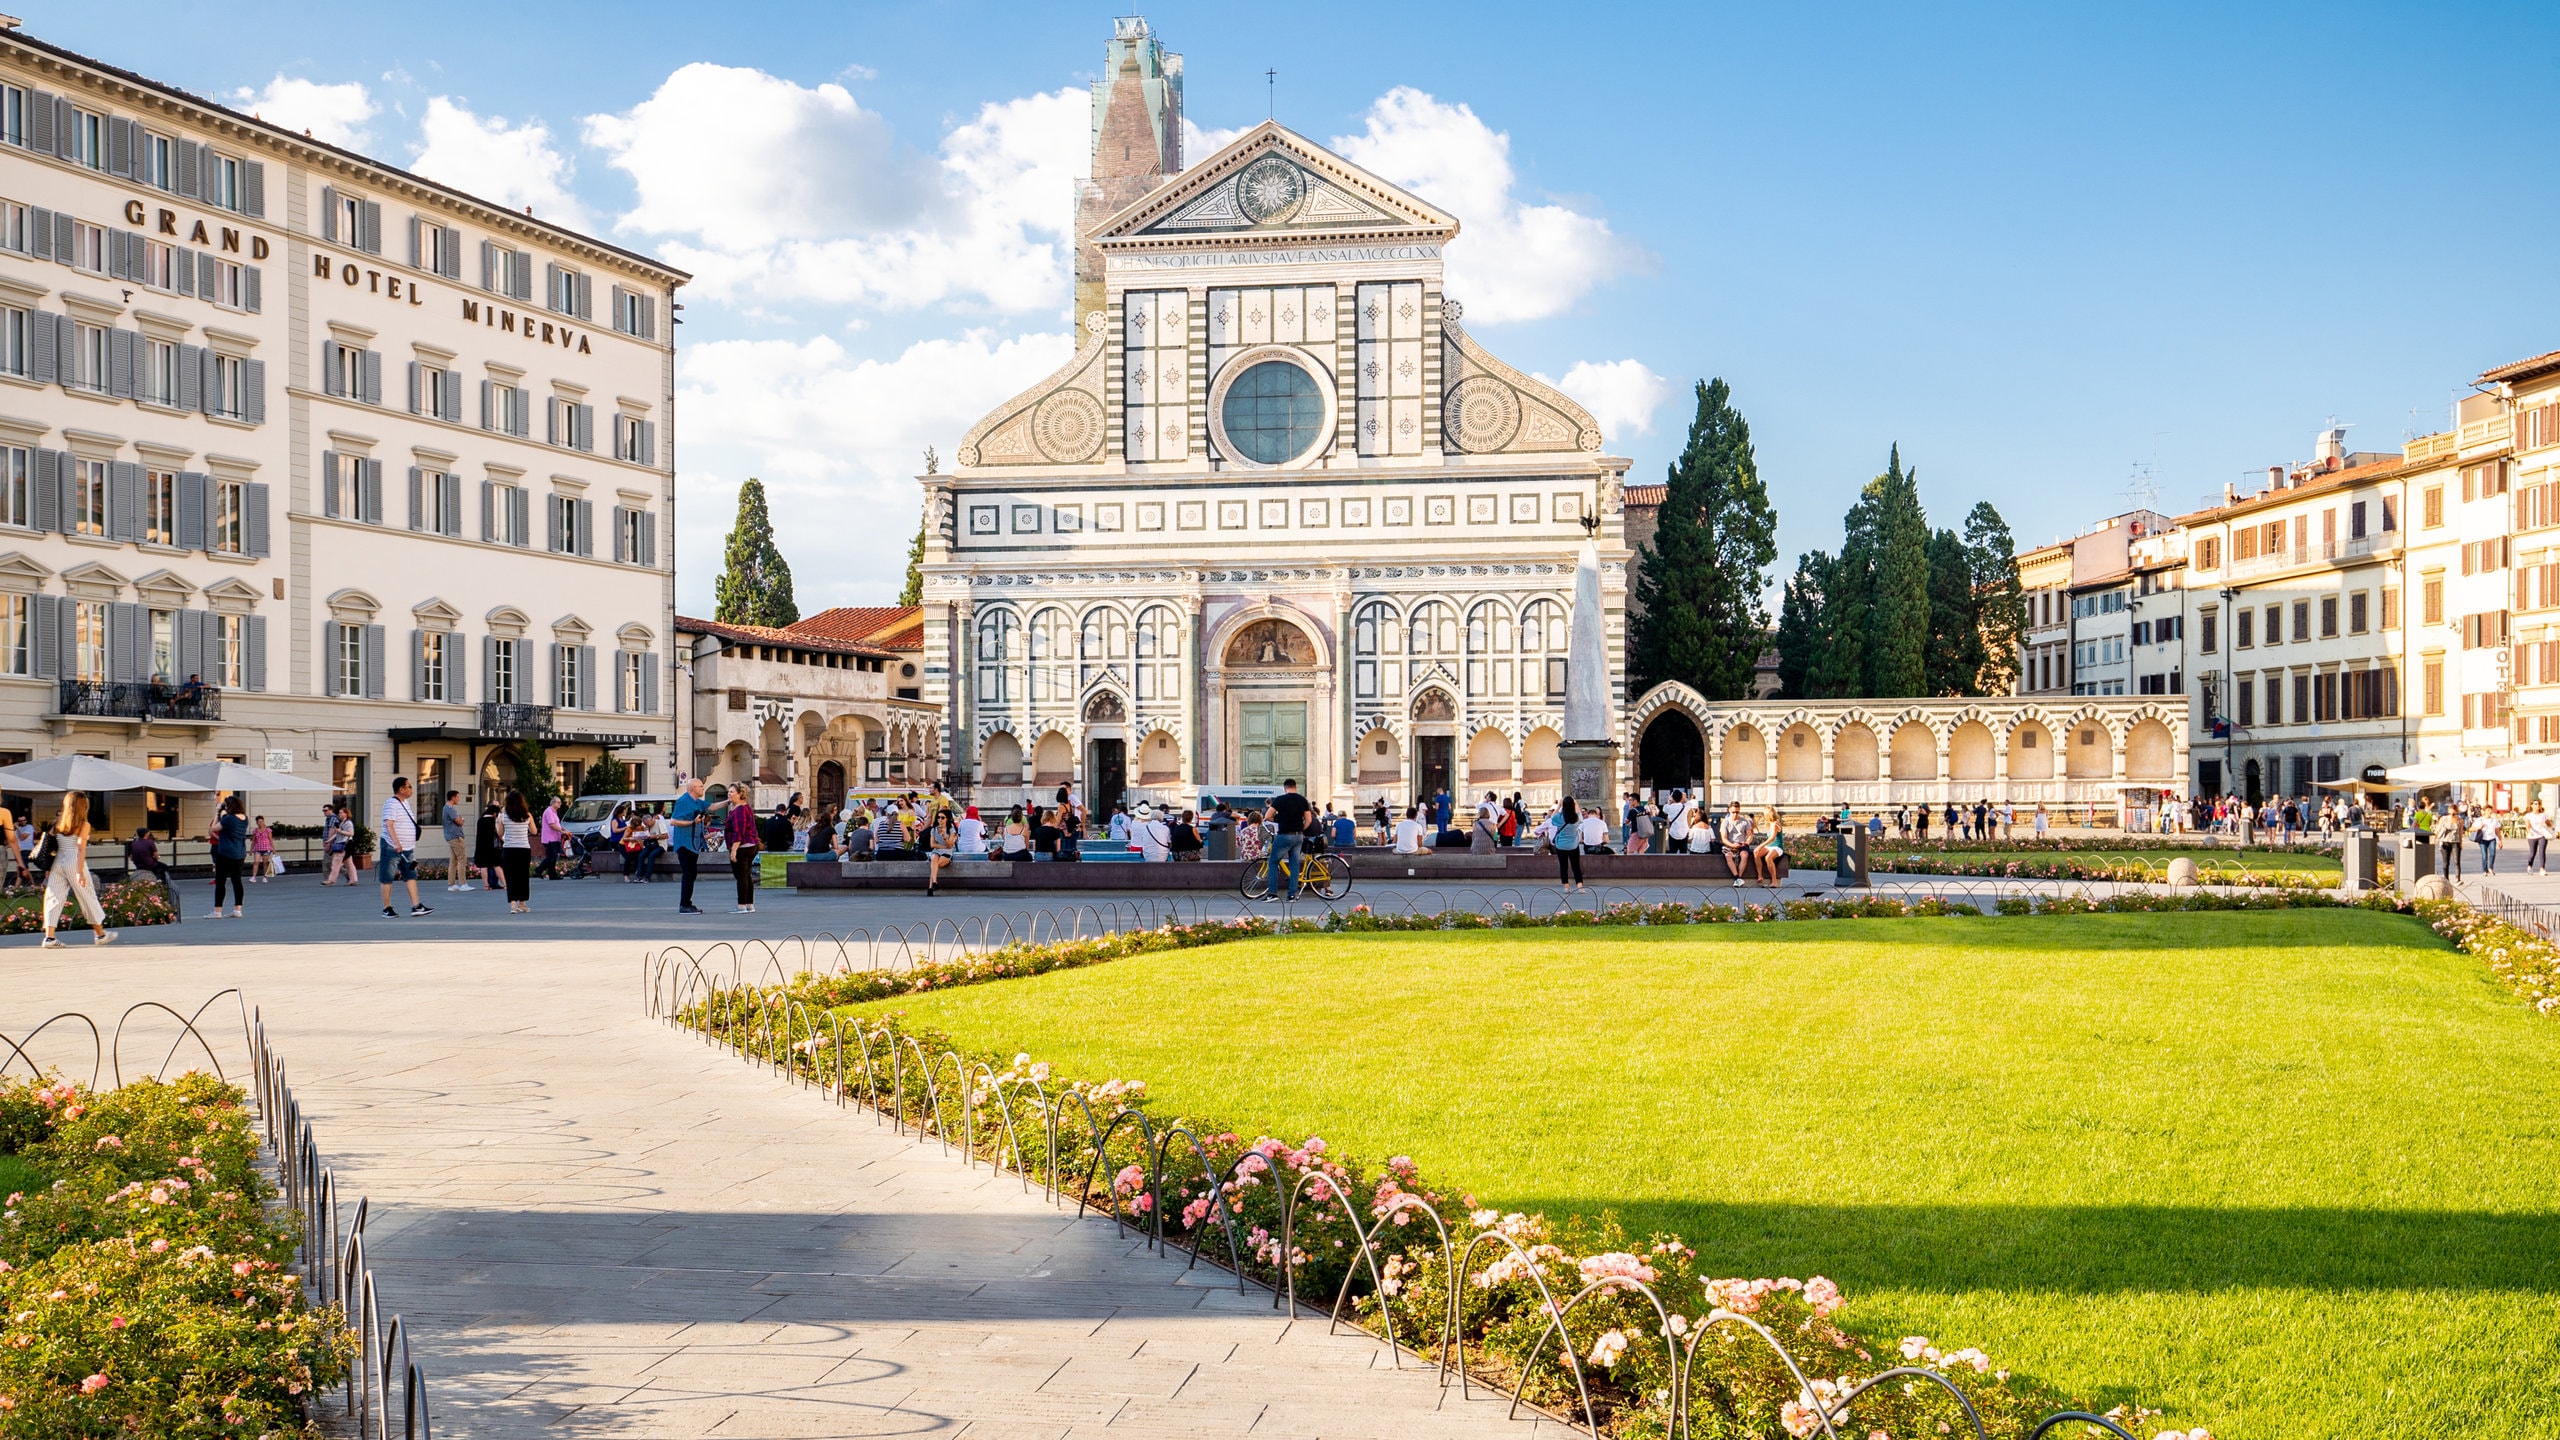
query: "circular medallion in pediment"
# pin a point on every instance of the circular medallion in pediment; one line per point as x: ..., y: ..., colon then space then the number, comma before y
x: 1270, y: 190
x: 1484, y: 415
x: 1068, y: 427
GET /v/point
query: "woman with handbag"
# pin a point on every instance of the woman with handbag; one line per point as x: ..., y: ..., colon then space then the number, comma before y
x: 515, y: 852
x: 62, y: 853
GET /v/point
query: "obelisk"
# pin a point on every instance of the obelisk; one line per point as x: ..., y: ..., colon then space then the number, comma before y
x: 1588, y: 755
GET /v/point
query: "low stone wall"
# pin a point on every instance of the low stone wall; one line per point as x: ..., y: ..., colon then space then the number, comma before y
x: 1368, y: 866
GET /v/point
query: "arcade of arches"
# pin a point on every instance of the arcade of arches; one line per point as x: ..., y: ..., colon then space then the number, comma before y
x: 2118, y: 754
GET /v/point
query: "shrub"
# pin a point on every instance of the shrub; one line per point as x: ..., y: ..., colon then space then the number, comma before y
x: 140, y: 901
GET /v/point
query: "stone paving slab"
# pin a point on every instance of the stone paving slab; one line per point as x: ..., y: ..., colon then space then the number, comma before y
x: 596, y: 1226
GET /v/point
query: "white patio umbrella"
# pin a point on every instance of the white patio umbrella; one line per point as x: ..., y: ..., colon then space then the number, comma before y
x: 2439, y: 772
x: 88, y: 772
x: 2529, y: 770
x: 231, y: 775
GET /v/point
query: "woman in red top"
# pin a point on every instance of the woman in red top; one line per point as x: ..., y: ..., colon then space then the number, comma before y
x: 743, y: 849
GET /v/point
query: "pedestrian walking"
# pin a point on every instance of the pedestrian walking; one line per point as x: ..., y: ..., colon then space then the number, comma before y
x: 2537, y: 838
x: 515, y: 852
x: 686, y: 824
x: 13, y: 864
x: 1566, y: 841
x: 457, y: 844
x: 549, y: 834
x: 485, y: 853
x: 263, y: 865
x: 744, y: 853
x: 230, y: 855
x: 2484, y: 833
x: 337, y: 834
x: 63, y: 854
x: 398, y: 862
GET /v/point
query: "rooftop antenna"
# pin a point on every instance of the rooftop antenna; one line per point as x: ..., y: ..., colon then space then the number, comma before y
x: 2141, y: 491
x: 1270, y: 93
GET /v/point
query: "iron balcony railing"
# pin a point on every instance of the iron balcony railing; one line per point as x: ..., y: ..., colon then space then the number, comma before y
x: 517, y: 720
x: 140, y: 700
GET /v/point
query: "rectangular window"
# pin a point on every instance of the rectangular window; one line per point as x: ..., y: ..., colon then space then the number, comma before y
x: 89, y: 498
x: 222, y: 187
x: 2431, y: 602
x: 632, y: 543
x: 347, y: 659
x: 2356, y: 613
x: 565, y: 689
x: 2246, y: 693
x: 2390, y: 609
x: 439, y: 249
x: 633, y: 313
x: 2301, y: 621
x: 151, y: 161
x: 2328, y: 616
x: 2432, y: 681
x: 17, y: 495
x: 2355, y: 521
x: 565, y: 284
x: 88, y: 640
x: 164, y: 646
x: 88, y: 140
x: 13, y: 341
x: 635, y: 685
x: 159, y: 265
x: 13, y: 115
x: 228, y: 652
x: 16, y: 634
x: 2205, y: 633
x: 225, y: 388
x: 220, y: 283
x: 343, y: 370
x: 502, y: 670
x: 85, y: 368
x: 2431, y: 512
x: 2243, y: 623
x: 433, y: 646
x: 158, y: 382
x: 160, y: 507
x: 227, y: 530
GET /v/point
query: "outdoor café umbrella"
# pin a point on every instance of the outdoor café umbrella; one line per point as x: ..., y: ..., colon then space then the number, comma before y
x: 88, y: 772
x: 231, y: 775
x: 2438, y: 772
x: 2529, y: 770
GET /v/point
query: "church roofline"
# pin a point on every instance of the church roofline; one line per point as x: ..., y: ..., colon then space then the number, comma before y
x: 1425, y: 221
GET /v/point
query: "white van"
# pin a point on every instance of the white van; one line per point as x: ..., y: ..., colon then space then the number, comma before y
x: 592, y: 815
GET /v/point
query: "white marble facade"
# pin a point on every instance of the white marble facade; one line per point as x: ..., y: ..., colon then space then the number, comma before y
x: 1280, y: 517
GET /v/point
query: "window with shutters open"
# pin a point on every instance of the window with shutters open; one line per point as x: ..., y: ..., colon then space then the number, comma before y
x: 160, y: 507
x: 503, y: 651
x: 17, y: 486
x: 228, y: 533
x: 13, y: 341
x: 88, y: 515
x: 87, y: 143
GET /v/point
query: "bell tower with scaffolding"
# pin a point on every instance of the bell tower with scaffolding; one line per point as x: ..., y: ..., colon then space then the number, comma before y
x: 1137, y: 141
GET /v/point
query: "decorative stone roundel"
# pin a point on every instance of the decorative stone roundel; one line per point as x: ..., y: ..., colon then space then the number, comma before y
x: 1068, y: 427
x: 1484, y: 413
x: 1270, y: 190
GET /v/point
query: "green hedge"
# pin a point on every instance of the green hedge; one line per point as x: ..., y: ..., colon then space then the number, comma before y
x: 148, y: 1288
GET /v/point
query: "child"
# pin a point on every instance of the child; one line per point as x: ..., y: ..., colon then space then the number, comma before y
x: 263, y: 865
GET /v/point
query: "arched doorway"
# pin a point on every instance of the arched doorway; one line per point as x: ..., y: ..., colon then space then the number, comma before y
x: 830, y: 783
x: 1435, y: 744
x: 1272, y: 716
x: 1673, y: 753
x: 1106, y: 751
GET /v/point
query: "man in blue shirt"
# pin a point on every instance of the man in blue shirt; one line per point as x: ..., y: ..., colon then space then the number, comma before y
x: 689, y: 811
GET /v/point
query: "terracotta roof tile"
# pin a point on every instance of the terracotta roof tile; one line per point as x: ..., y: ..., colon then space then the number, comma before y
x: 1645, y: 496
x: 775, y: 635
x: 892, y: 627
x: 2547, y: 360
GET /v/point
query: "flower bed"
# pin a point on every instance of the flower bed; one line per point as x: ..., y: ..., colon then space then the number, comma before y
x: 126, y: 903
x: 2121, y: 861
x: 148, y: 1289
x: 2523, y: 961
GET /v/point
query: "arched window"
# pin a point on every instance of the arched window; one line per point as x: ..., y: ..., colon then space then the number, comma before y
x: 1375, y: 631
x: 1159, y: 649
x: 996, y: 649
x: 1435, y: 629
x: 1053, y: 641
x: 1544, y: 636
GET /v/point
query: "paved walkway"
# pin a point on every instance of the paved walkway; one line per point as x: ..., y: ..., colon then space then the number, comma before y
x: 597, y: 1225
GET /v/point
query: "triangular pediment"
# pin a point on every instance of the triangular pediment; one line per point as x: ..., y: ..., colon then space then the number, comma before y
x: 1271, y: 182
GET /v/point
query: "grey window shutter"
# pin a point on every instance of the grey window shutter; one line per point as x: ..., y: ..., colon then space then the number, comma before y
x: 586, y: 297
x: 416, y: 391
x: 614, y: 297
x: 586, y: 426
x: 489, y: 265
x: 417, y: 243
x: 208, y: 381
x: 186, y: 637
x: 417, y: 498
x: 488, y: 667
x: 329, y: 215
x: 488, y: 511
x: 417, y: 664
x: 551, y: 287
x: 371, y: 240
x: 488, y: 397
x: 124, y: 502
x: 123, y: 360
x: 649, y: 683
x: 332, y: 372
x: 123, y: 664
x: 191, y: 377
x: 649, y: 538
x: 253, y: 189
x: 253, y: 391
x: 648, y: 442
x: 120, y: 148
x: 551, y: 524
x: 618, y: 556
x: 586, y: 527
x: 564, y: 702
x: 520, y: 514
x: 586, y: 677
x: 253, y: 640
x: 329, y: 482
x: 194, y: 497
x: 44, y: 352
x: 521, y: 403
x: 449, y: 396
x: 452, y: 261
x: 372, y: 492
x: 118, y: 266
x: 68, y: 472
x: 62, y: 250
x: 253, y: 519
x: 182, y: 270
x: 621, y: 663
x: 371, y: 368
x: 523, y: 289
x: 39, y: 122
x: 449, y: 507
x: 39, y: 232
x: 45, y: 499
x: 46, y: 644
x: 551, y: 420
x: 252, y: 290
x: 373, y: 674
x: 648, y: 317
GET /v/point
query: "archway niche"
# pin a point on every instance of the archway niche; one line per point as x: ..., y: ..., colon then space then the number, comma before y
x: 1971, y: 755
x: 1915, y: 752
x: 1853, y: 753
x: 1800, y: 754
x: 1672, y: 755
x: 1746, y: 756
x: 2031, y: 752
x: 2150, y: 753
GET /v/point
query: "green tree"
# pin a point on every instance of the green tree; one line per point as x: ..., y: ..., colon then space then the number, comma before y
x: 608, y: 776
x: 1702, y: 580
x: 912, y: 593
x: 1955, y: 622
x: 1800, y: 626
x: 2001, y: 602
x: 1898, y: 617
x: 534, y: 774
x: 754, y: 587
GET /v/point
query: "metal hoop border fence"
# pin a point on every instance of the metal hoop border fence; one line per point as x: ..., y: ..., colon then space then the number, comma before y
x: 784, y: 1034
x: 330, y: 1259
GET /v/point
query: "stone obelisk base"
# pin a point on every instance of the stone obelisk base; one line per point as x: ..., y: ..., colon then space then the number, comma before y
x: 1590, y: 772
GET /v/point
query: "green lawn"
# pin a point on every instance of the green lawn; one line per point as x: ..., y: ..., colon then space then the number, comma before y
x: 2286, y: 1174
x: 17, y: 1175
x: 2207, y: 857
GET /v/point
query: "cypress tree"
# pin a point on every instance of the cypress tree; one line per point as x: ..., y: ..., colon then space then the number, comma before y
x: 2000, y: 600
x: 1800, y: 626
x: 754, y: 587
x: 912, y: 593
x: 1898, y: 618
x: 1701, y: 581
x: 1955, y: 624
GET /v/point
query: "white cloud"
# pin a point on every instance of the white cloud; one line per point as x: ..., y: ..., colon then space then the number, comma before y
x: 1620, y: 394
x: 1200, y: 142
x: 806, y: 196
x: 335, y: 114
x: 510, y: 165
x: 1511, y: 260
x: 838, y: 442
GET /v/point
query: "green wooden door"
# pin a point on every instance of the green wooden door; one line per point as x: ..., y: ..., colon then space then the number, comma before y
x: 1273, y: 742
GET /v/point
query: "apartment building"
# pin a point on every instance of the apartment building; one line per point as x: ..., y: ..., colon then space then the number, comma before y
x: 266, y: 405
x: 2044, y: 648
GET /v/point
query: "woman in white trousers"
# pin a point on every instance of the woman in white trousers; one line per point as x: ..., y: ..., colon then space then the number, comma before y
x: 69, y: 874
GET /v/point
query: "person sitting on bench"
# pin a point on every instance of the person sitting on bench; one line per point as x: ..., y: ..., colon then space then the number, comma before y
x: 1737, y: 842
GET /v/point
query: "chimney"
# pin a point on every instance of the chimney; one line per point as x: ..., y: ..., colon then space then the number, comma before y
x: 2330, y: 450
x: 2230, y: 492
x: 2275, y: 477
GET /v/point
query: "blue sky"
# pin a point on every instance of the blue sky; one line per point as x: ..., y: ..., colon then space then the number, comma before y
x: 2045, y: 248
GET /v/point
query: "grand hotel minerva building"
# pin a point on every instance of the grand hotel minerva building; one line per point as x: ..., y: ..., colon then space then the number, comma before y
x: 385, y: 467
x: 1281, y: 517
